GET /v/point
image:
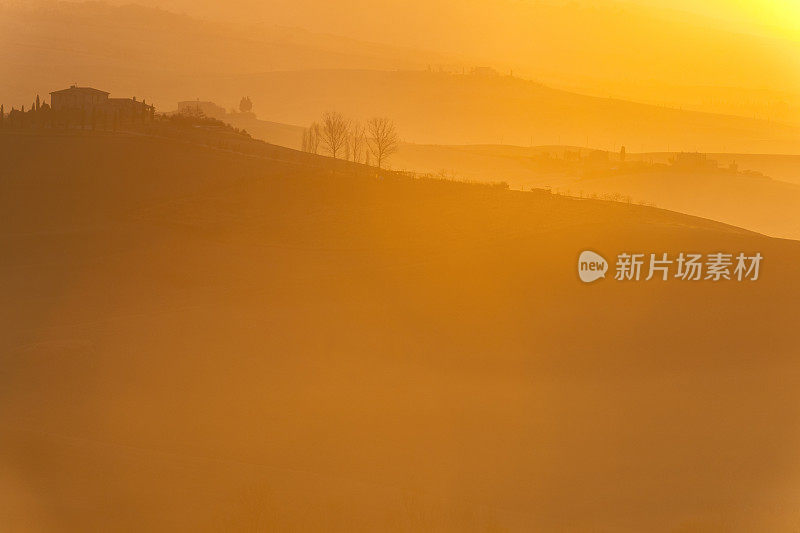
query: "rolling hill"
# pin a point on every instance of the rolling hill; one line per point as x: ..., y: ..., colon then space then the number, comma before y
x: 442, y: 108
x: 750, y: 198
x: 194, y: 339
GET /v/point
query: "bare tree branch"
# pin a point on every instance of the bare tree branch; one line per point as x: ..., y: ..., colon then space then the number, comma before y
x: 311, y: 139
x: 383, y: 139
x: 334, y: 132
x: 357, y: 141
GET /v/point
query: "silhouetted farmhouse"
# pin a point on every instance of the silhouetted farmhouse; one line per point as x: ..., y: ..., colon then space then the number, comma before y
x: 89, y: 104
x: 77, y: 98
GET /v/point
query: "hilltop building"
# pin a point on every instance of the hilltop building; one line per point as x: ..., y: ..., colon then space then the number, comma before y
x: 94, y: 101
x: 78, y: 98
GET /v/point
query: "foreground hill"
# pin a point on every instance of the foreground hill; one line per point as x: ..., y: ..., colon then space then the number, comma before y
x: 193, y: 339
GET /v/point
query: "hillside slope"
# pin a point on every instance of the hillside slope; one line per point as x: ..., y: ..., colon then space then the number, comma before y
x: 197, y: 340
x: 744, y: 198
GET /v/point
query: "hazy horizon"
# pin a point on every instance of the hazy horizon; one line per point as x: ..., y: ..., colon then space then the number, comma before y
x: 641, y: 50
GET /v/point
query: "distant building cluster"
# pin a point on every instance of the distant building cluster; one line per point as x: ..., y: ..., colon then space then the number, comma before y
x: 693, y: 161
x: 485, y: 72
x: 199, y: 108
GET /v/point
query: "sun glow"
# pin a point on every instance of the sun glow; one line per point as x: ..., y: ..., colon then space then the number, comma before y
x: 780, y: 18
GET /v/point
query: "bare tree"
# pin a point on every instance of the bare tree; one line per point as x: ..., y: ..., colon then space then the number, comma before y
x: 357, y: 141
x: 334, y: 132
x: 311, y: 138
x: 383, y: 139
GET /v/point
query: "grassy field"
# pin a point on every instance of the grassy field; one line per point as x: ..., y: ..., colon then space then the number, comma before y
x: 197, y: 340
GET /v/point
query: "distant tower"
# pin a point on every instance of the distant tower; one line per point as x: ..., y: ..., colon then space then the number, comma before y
x: 622, y: 154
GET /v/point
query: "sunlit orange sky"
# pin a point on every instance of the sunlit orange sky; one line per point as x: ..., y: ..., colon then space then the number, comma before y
x: 539, y: 38
x: 782, y: 17
x: 733, y: 57
x: 779, y: 17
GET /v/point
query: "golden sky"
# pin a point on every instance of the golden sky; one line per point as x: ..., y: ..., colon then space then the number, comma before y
x: 779, y: 16
x: 634, y: 49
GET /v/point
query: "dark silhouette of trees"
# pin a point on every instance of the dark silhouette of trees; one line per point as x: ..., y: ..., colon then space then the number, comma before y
x: 357, y: 140
x: 351, y: 139
x: 383, y: 139
x: 311, y: 139
x: 334, y: 132
x: 2, y: 116
x: 245, y: 105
